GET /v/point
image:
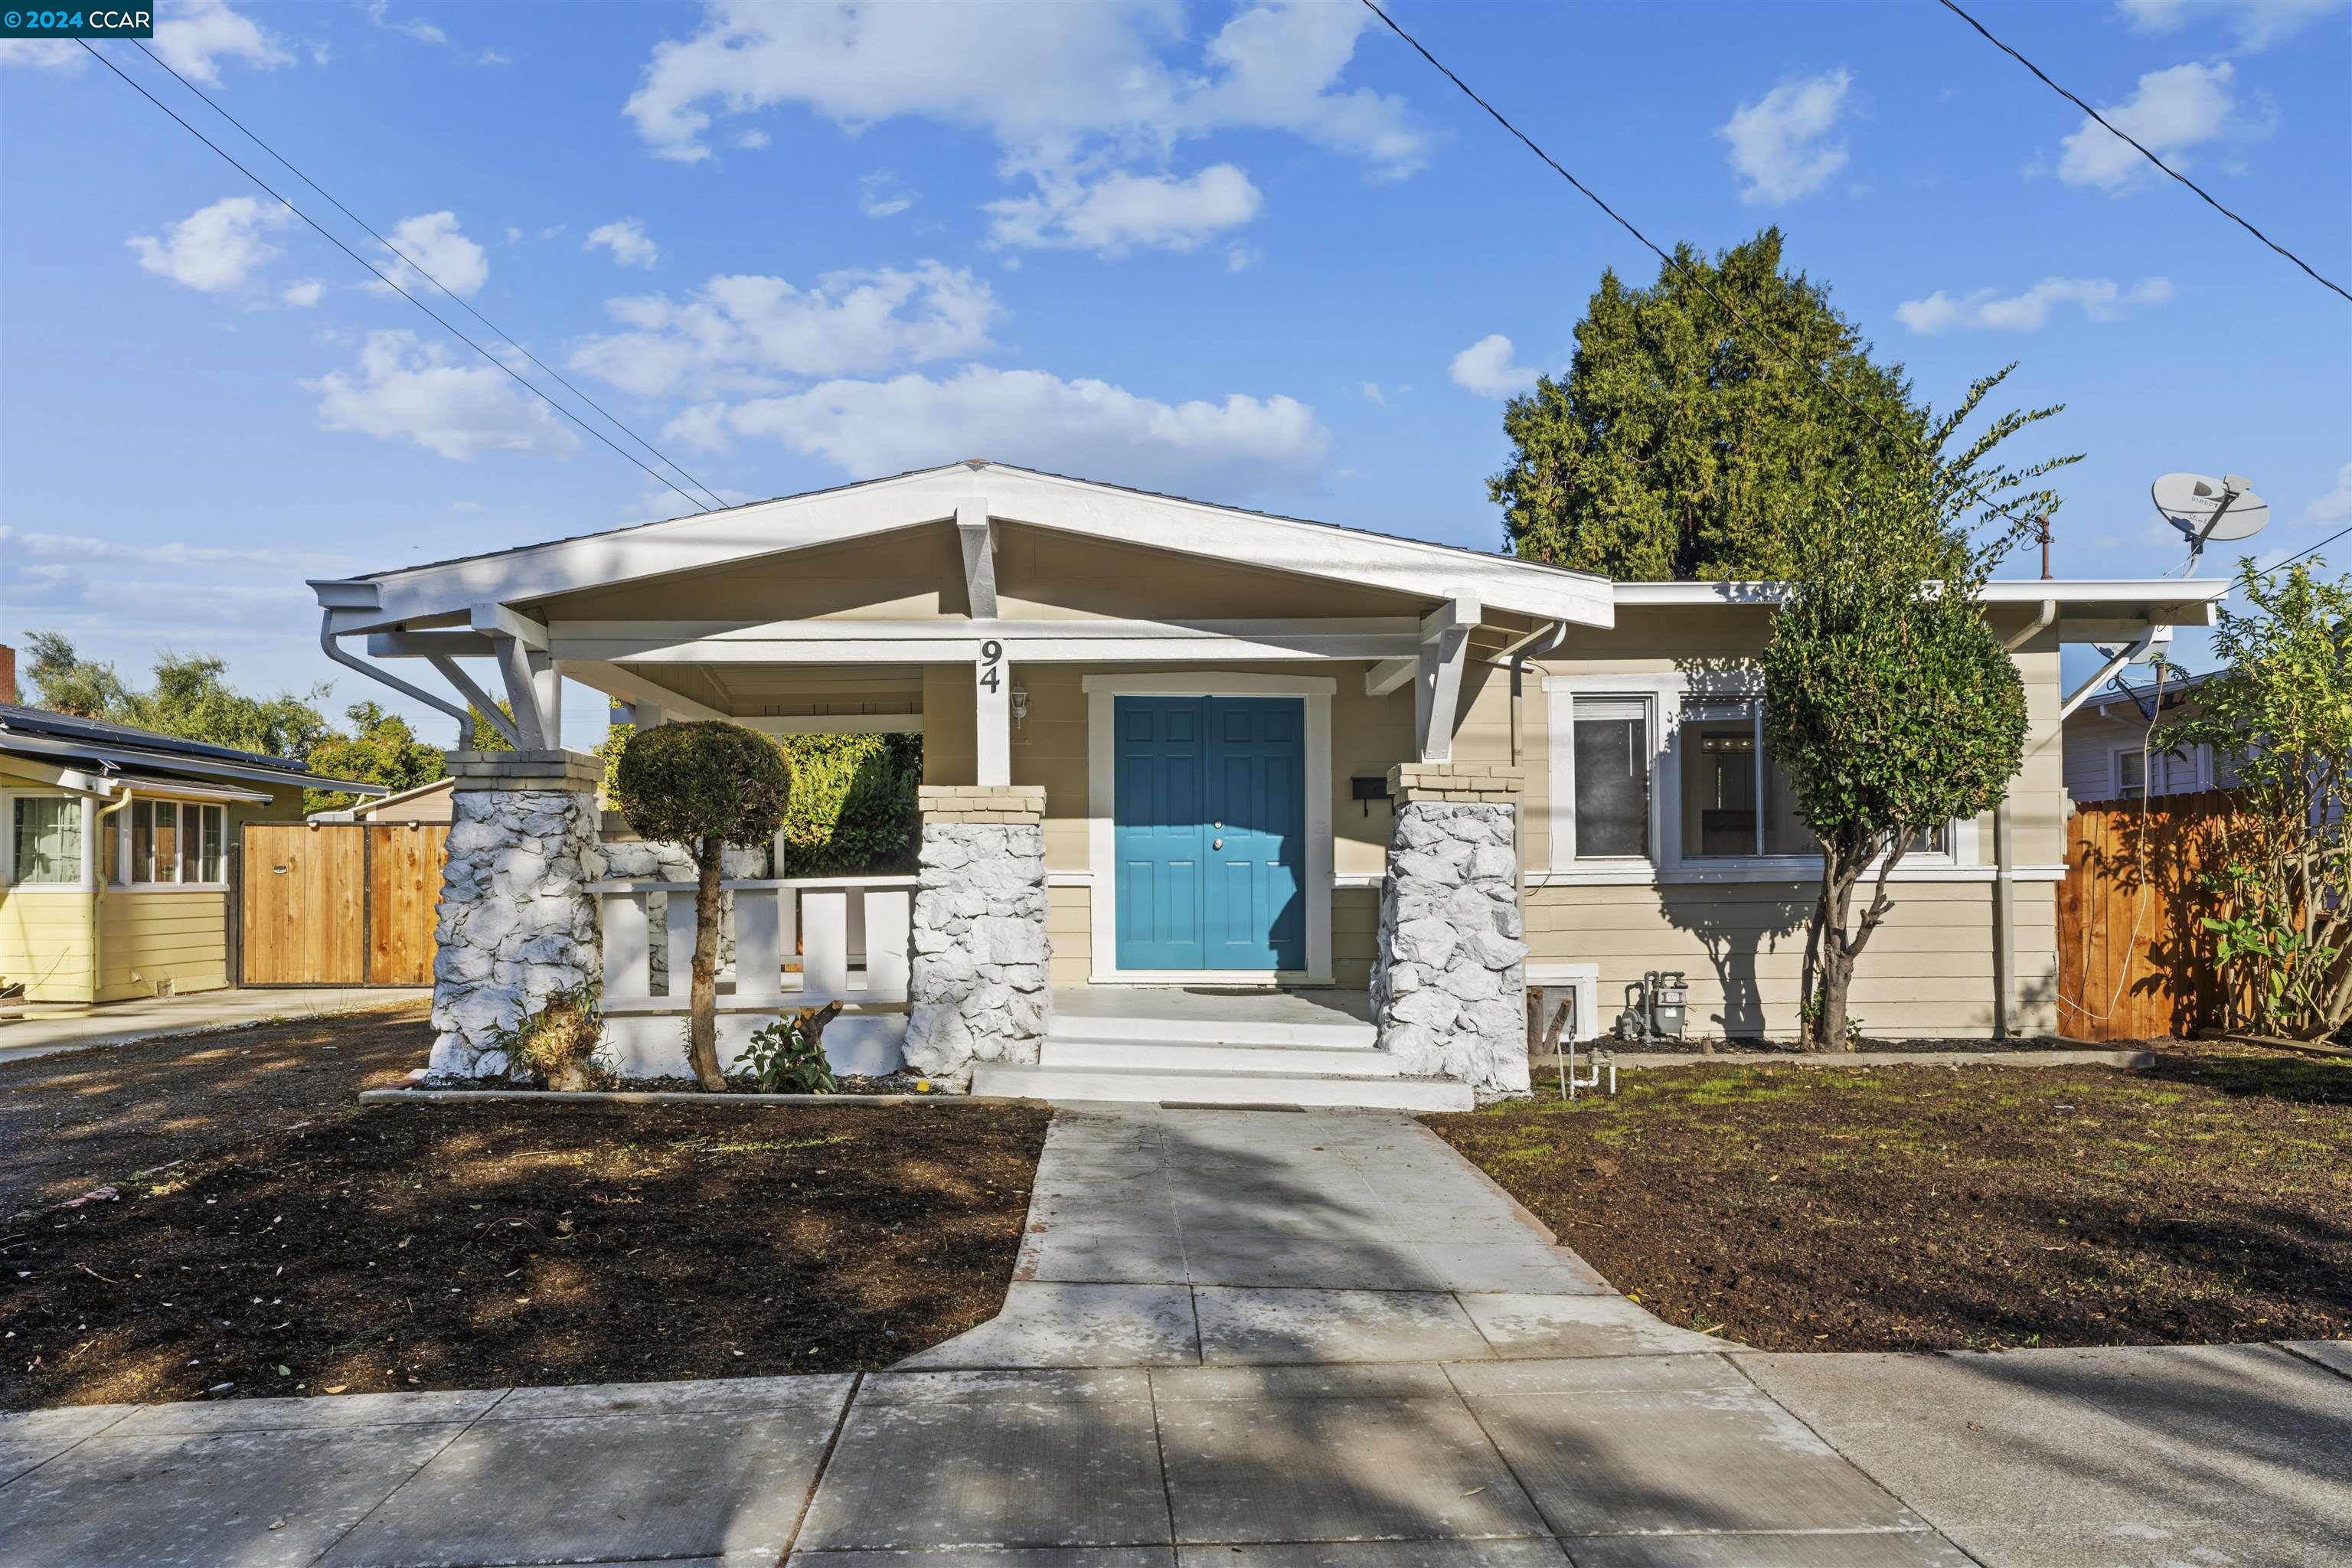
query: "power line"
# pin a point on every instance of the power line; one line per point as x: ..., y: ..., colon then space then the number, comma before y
x: 332, y: 239
x: 2143, y: 152
x: 255, y: 136
x: 1675, y: 261
x: 2321, y: 546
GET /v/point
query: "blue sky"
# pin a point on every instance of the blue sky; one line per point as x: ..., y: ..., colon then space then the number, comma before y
x: 1259, y: 254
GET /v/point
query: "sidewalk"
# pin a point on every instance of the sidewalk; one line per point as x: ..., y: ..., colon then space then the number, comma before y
x: 49, y: 1027
x: 1304, y: 1359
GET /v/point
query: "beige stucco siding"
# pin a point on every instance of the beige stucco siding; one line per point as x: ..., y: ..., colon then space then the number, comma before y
x: 157, y: 936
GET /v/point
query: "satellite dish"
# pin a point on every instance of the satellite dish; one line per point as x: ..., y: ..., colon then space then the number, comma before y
x: 2205, y: 508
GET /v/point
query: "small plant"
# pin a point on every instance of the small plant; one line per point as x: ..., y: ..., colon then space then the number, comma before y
x: 787, y: 1055
x: 558, y: 1043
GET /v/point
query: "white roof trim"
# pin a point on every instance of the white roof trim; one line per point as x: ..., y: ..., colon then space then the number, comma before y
x: 1014, y: 495
x: 2166, y: 601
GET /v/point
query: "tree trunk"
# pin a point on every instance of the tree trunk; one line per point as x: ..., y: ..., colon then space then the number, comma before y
x: 702, y: 1018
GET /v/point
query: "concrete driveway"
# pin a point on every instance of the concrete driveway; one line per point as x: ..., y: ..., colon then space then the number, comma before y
x: 1264, y: 1340
x: 44, y: 1029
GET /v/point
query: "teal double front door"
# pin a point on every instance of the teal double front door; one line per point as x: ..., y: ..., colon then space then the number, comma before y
x: 1209, y: 828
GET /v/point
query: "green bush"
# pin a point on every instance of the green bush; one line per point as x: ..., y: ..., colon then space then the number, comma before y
x: 853, y: 809
x: 787, y: 1055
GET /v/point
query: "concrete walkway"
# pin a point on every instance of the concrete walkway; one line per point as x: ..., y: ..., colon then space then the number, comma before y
x: 1263, y: 1341
x: 48, y: 1027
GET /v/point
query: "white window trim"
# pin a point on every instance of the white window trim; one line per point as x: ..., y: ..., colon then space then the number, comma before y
x: 1666, y: 692
x: 123, y: 882
x: 1102, y: 849
x: 86, y: 882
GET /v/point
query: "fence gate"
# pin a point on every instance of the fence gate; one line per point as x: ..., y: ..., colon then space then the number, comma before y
x: 339, y: 903
x: 2135, y: 960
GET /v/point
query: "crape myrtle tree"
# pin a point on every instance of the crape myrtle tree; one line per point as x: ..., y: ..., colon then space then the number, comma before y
x: 1887, y: 696
x: 703, y: 785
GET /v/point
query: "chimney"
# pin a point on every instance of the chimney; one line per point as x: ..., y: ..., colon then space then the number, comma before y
x: 7, y: 673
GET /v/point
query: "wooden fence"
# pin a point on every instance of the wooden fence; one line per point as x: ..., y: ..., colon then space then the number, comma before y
x: 339, y: 903
x: 2135, y: 960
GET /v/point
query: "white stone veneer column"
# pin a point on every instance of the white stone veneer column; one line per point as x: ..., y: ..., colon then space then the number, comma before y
x: 516, y: 923
x: 978, y: 970
x: 1449, y: 978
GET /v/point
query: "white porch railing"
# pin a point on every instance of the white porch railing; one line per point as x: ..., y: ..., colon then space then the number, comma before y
x: 799, y: 943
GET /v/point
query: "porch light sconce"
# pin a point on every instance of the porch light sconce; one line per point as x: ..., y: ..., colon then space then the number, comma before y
x: 1020, y: 702
x: 1369, y: 789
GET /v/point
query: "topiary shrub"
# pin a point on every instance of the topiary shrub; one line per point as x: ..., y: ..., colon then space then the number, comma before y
x: 703, y: 785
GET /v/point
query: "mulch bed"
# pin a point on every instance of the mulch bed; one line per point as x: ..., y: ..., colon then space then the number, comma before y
x: 76, y: 1119
x: 2206, y: 1200
x: 464, y: 1246
x: 1750, y: 1047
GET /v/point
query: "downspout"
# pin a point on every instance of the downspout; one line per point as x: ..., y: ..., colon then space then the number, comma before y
x: 335, y: 651
x: 2004, y: 863
x: 1535, y: 645
x: 97, y: 898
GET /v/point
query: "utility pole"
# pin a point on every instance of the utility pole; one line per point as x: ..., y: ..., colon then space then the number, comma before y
x: 2041, y: 530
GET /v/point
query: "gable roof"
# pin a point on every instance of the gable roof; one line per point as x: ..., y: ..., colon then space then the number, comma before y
x: 38, y: 732
x: 1010, y: 494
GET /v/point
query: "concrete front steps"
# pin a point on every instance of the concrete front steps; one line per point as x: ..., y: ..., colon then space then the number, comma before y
x: 1219, y: 1062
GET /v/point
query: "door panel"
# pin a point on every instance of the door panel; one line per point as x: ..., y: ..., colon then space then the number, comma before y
x: 1210, y: 833
x: 302, y: 916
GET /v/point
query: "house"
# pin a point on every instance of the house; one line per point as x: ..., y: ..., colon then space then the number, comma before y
x: 120, y: 855
x: 1217, y: 805
x: 2110, y: 754
x: 424, y: 803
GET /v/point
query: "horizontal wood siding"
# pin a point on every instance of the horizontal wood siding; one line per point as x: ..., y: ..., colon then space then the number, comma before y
x: 152, y: 938
x: 1927, y: 972
x: 45, y: 941
x: 1069, y: 926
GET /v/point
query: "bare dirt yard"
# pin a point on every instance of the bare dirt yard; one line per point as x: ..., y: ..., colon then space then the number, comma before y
x: 1796, y: 1208
x: 302, y: 1245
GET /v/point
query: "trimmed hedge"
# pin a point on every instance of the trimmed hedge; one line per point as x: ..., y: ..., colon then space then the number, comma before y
x: 853, y: 809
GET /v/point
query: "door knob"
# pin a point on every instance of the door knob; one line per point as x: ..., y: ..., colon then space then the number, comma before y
x: 1218, y: 844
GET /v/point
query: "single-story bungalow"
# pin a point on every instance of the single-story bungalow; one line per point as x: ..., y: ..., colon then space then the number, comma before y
x: 2111, y: 753
x: 1217, y: 805
x: 117, y: 879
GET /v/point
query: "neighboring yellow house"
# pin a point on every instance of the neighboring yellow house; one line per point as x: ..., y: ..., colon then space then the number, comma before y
x: 117, y: 877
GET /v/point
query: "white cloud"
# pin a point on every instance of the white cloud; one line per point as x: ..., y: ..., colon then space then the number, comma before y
x: 2101, y: 299
x: 1374, y: 395
x: 303, y: 293
x: 1028, y: 416
x: 1121, y: 211
x: 422, y: 32
x: 1069, y: 94
x: 436, y: 243
x: 43, y: 54
x: 407, y: 390
x: 2258, y: 24
x: 2170, y: 113
x: 627, y: 241
x: 215, y: 247
x: 879, y: 194
x: 170, y: 552
x: 751, y: 141
x: 1780, y: 144
x: 2336, y: 506
x: 738, y: 331
x: 1486, y: 367
x: 192, y: 38
x: 492, y: 57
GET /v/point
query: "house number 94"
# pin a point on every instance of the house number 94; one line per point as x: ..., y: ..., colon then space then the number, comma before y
x: 992, y: 665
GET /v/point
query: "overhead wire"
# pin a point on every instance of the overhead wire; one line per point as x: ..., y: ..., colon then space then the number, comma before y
x: 2139, y: 147
x: 445, y: 324
x: 520, y: 347
x: 1909, y: 446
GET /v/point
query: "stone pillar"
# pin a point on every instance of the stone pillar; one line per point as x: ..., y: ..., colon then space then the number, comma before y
x: 978, y: 970
x: 1449, y: 979
x: 516, y: 925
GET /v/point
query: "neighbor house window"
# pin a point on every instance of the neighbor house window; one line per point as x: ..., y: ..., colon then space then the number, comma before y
x: 2131, y: 774
x: 1611, y: 763
x: 172, y: 841
x: 45, y: 843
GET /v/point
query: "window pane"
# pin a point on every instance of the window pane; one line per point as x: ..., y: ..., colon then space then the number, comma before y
x: 191, y: 843
x: 216, y: 843
x: 142, y: 841
x: 2131, y: 774
x: 1785, y: 832
x: 167, y: 841
x: 48, y: 839
x: 1612, y: 781
x: 1719, y: 759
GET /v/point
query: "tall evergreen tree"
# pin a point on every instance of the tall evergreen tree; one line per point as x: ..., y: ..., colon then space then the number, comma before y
x: 1681, y: 445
